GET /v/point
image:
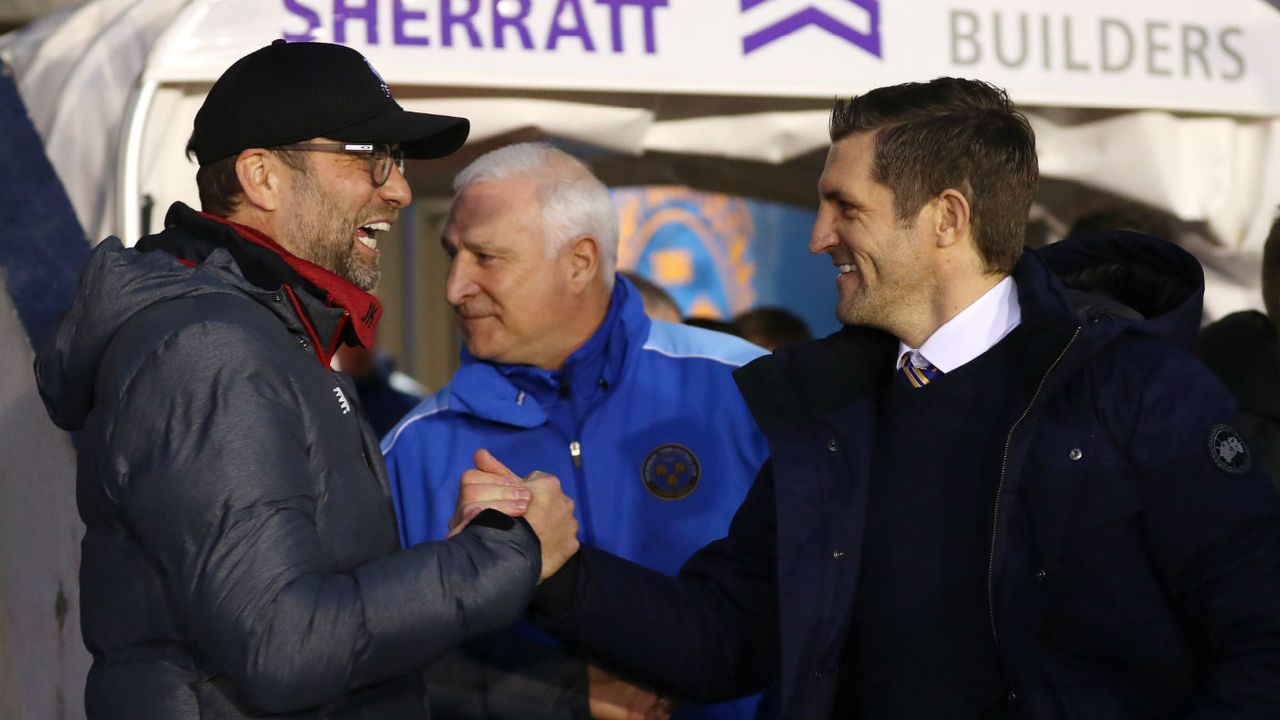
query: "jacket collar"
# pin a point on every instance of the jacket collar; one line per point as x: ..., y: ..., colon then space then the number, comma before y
x: 509, y: 393
x: 333, y: 309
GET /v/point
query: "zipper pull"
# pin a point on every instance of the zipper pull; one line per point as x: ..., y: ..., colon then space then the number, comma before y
x: 575, y: 452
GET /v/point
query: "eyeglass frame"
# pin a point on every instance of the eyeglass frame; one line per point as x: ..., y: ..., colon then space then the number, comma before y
x: 394, y: 156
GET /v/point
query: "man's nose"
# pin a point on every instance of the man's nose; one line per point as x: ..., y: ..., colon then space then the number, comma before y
x: 395, y: 191
x: 458, y: 285
x: 822, y: 238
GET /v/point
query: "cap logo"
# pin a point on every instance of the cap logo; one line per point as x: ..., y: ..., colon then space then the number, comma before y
x: 385, y: 90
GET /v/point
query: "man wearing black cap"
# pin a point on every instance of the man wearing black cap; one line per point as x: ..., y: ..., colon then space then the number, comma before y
x: 240, y: 555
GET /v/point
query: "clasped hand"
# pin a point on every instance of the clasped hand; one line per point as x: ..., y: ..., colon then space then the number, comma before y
x: 537, y: 497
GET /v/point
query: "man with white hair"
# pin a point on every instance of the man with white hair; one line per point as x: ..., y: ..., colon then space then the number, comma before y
x: 563, y: 372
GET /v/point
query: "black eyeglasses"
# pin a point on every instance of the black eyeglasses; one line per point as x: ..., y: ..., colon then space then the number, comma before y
x: 381, y: 156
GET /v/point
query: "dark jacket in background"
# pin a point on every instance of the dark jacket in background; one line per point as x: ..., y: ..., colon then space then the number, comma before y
x: 241, y: 554
x: 384, y: 403
x: 1242, y: 348
x: 1135, y: 564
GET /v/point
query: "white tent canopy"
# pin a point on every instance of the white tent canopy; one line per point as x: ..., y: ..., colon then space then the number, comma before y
x: 1190, y: 90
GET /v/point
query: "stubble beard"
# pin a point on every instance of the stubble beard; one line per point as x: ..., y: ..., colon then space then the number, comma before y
x: 363, y: 275
x: 325, y: 238
x: 852, y: 311
x: 887, y: 306
x: 874, y: 307
x: 856, y: 308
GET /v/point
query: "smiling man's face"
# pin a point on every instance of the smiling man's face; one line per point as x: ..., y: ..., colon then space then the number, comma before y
x: 336, y: 214
x: 885, y: 274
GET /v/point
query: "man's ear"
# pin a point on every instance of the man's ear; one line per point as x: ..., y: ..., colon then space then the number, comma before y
x: 584, y: 261
x: 261, y: 178
x: 950, y: 219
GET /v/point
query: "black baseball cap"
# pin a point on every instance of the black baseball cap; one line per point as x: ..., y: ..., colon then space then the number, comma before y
x: 290, y: 92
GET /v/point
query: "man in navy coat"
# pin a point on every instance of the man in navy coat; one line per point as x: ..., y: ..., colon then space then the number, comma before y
x: 1003, y: 490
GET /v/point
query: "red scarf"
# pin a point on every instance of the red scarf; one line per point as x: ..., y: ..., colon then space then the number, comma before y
x: 362, y: 309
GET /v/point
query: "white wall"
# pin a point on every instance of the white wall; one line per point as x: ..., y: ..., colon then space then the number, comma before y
x: 43, y: 662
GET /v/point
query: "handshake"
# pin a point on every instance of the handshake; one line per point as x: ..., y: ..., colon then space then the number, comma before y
x: 537, y: 498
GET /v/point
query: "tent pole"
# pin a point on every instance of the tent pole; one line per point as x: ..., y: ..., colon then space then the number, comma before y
x: 130, y: 219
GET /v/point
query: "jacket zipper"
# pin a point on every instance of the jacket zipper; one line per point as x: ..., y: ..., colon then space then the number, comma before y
x: 1004, y: 471
x: 306, y: 325
x: 575, y: 454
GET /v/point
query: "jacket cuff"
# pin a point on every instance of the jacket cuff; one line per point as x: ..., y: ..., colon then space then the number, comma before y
x: 491, y: 518
x: 554, y: 597
x: 494, y: 520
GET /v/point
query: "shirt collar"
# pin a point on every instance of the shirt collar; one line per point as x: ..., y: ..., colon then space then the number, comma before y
x: 972, y: 332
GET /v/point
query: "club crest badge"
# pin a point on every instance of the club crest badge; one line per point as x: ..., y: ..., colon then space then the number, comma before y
x: 671, y: 472
x: 1229, y: 451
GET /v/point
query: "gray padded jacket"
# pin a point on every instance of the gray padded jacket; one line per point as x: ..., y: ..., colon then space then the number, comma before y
x: 241, y: 557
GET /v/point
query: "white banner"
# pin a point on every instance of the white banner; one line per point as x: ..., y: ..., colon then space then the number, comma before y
x: 1188, y: 55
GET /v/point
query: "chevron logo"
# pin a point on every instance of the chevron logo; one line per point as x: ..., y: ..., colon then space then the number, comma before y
x: 342, y: 400
x: 807, y: 14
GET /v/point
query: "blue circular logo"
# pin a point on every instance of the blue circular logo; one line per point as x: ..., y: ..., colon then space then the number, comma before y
x: 671, y: 472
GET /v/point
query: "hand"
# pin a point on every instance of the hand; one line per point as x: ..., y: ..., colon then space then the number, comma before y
x: 491, y: 485
x: 550, y: 514
x: 612, y: 698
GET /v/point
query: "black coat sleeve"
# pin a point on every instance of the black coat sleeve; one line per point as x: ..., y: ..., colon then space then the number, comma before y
x: 208, y: 467
x: 709, y: 634
x: 1212, y: 530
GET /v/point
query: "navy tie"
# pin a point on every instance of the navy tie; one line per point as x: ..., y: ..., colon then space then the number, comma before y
x: 918, y: 376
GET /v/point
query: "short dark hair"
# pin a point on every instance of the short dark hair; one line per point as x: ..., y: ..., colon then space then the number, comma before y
x: 651, y: 292
x: 219, y: 186
x: 1271, y: 271
x: 1127, y: 216
x: 772, y: 327
x: 951, y: 133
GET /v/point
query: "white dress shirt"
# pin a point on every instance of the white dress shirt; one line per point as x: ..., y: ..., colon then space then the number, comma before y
x: 972, y: 332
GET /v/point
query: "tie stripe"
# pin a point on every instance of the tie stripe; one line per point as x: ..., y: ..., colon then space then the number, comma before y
x: 918, y: 376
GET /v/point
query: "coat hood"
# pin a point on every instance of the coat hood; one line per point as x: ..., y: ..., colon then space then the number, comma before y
x: 116, y: 284
x: 1153, y: 283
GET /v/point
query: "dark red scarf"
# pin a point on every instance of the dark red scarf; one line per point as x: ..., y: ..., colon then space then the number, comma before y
x: 362, y: 309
